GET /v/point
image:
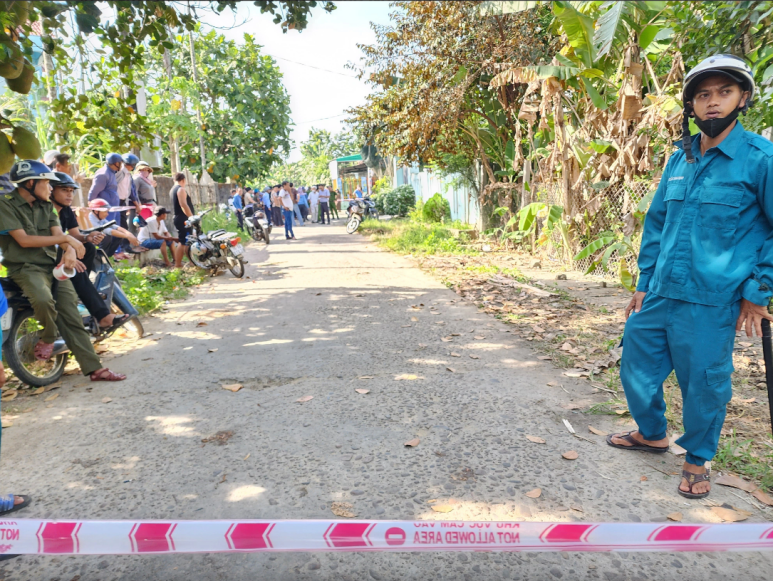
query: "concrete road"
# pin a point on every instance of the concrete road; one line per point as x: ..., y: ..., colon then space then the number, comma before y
x: 314, y: 316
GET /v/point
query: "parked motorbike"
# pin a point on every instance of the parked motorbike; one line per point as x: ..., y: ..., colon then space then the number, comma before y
x: 215, y: 248
x: 256, y: 224
x: 21, y: 330
x: 359, y: 209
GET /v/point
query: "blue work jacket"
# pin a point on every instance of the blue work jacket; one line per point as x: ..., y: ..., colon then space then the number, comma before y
x: 708, y: 235
x: 105, y: 186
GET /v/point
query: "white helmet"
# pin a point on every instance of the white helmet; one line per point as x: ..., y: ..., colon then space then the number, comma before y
x: 721, y: 64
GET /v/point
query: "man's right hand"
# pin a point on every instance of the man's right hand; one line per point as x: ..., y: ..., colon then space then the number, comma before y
x: 69, y: 259
x: 635, y: 304
x: 77, y: 246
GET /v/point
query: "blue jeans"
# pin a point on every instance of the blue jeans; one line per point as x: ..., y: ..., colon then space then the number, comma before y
x: 298, y: 215
x: 152, y: 243
x: 288, y: 214
x: 694, y: 340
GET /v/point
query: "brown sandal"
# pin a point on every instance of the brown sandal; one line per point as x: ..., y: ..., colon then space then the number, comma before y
x: 693, y: 479
x: 43, y: 351
x: 105, y: 374
x: 635, y: 444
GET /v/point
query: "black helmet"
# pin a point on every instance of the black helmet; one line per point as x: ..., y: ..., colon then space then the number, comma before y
x: 63, y: 180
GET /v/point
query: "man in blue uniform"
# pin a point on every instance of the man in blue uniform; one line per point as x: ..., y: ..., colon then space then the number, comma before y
x: 105, y: 184
x: 706, y: 266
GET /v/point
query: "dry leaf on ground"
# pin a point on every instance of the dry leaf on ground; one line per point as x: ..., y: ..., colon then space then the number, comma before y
x: 6, y: 423
x: 201, y: 324
x: 575, y: 374
x: 53, y: 386
x: 38, y: 391
x: 675, y: 448
x: 675, y: 516
x: 735, y: 482
x: 52, y: 397
x: 442, y: 507
x: 479, y: 337
x: 234, y: 387
x: 414, y: 319
x: 455, y: 354
x: 304, y: 399
x: 571, y: 455
x: 597, y: 431
x: 219, y: 438
x: 643, y: 479
x: 474, y: 357
x: 535, y: 439
x: 544, y: 357
x: 10, y: 395
x: 763, y: 497
x: 406, y: 377
x: 536, y: 493
x: 343, y: 509
x: 212, y: 350
x: 362, y: 391
x: 446, y: 339
x: 107, y: 399
x: 365, y: 377
x: 729, y: 515
x: 412, y: 443
x: 247, y: 456
x: 451, y: 369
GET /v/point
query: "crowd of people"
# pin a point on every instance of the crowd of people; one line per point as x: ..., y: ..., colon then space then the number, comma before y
x: 286, y: 204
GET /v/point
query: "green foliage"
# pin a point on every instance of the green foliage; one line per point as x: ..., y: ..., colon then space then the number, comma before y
x: 149, y: 288
x: 408, y: 237
x: 737, y: 456
x: 398, y: 201
x: 318, y: 151
x: 437, y: 209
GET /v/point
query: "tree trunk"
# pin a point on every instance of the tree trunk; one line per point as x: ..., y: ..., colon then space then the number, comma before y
x: 198, y: 107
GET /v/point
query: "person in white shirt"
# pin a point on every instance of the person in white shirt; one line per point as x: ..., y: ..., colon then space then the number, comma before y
x: 313, y: 203
x: 324, y: 206
x: 155, y: 236
x: 286, y: 195
x: 98, y: 217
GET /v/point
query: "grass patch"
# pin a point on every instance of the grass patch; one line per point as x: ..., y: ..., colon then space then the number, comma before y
x: 409, y: 237
x: 737, y: 456
x: 149, y: 287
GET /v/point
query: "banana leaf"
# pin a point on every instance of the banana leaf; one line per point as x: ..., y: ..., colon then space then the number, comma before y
x: 579, y: 30
x: 608, y: 28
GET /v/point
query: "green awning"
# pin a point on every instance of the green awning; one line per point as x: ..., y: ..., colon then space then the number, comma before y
x: 357, y: 157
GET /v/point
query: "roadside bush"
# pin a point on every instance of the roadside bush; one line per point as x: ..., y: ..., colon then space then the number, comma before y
x: 398, y: 201
x: 436, y: 209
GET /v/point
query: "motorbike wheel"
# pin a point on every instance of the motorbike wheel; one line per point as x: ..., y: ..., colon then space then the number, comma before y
x: 266, y: 239
x: 235, y: 265
x: 19, y: 351
x: 352, y: 225
x: 195, y: 261
x: 133, y: 326
x: 373, y: 215
x: 255, y: 232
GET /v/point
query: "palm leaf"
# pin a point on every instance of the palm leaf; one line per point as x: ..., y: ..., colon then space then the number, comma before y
x: 594, y: 246
x: 579, y: 30
x: 608, y: 28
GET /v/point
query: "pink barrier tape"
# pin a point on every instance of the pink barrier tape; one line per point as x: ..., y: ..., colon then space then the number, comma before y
x: 23, y: 536
x: 113, y: 208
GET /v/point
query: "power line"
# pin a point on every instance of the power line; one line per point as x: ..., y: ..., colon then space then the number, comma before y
x: 312, y: 66
x: 323, y: 119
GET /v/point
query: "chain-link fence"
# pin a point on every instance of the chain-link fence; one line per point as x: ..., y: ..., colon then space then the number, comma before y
x: 598, y: 212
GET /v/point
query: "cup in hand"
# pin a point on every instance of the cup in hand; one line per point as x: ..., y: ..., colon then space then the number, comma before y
x: 62, y: 273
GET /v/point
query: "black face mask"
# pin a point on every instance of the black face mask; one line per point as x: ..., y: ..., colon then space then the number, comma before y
x: 713, y: 127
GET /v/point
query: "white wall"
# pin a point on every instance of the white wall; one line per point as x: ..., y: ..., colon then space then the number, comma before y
x: 464, y: 202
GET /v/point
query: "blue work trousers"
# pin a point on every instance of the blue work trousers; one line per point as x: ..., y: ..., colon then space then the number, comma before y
x: 288, y: 215
x: 694, y: 340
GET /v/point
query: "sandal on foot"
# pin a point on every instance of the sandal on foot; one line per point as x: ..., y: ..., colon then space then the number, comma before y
x: 635, y: 444
x: 118, y: 320
x: 692, y: 480
x: 43, y: 351
x: 7, y: 503
x: 106, y: 375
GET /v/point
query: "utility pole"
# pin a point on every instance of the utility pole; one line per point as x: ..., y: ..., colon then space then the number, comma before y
x: 198, y: 106
x: 174, y: 150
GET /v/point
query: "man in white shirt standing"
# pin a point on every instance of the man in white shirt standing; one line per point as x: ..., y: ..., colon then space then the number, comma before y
x: 286, y: 196
x: 324, y: 203
x: 314, y: 203
x: 155, y: 236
